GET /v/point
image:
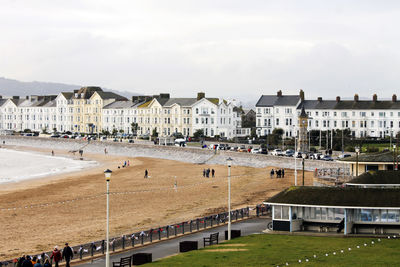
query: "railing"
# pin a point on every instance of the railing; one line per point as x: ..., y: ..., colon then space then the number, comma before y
x: 131, y: 240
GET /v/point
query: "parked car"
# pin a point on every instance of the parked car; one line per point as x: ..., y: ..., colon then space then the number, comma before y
x: 55, y: 135
x: 316, y: 156
x: 264, y: 151
x: 289, y: 153
x: 131, y: 141
x: 234, y: 148
x: 277, y: 152
x: 255, y: 151
x: 242, y: 148
x: 327, y: 158
x: 223, y: 147
x: 344, y: 156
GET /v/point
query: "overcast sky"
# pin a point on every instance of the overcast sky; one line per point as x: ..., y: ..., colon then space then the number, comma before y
x: 225, y: 48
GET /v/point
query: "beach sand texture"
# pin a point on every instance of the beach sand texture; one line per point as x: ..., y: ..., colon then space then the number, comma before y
x: 41, y: 227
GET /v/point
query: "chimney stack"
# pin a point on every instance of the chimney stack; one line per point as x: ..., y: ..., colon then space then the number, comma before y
x: 338, y: 99
x: 201, y: 95
x: 394, y: 98
x: 319, y: 99
x: 301, y: 94
x: 279, y: 93
x: 374, y: 98
x: 15, y: 97
x: 164, y: 96
x: 356, y: 98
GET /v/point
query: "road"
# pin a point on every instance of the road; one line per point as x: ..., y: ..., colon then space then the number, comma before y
x: 171, y: 247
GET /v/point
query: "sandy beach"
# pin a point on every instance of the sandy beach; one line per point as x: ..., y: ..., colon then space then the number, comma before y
x: 38, y: 214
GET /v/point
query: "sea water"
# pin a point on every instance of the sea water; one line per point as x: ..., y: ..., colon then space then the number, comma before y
x: 17, y: 166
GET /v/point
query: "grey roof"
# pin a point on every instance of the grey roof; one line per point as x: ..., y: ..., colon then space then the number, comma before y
x: 338, y: 197
x: 180, y: 101
x: 379, y: 177
x: 348, y: 104
x: 2, y: 101
x: 122, y: 104
x: 111, y: 95
x: 67, y: 95
x: 274, y: 100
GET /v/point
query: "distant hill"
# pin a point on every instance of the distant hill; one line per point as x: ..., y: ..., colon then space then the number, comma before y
x: 10, y: 87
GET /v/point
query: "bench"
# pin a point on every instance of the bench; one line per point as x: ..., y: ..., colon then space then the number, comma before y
x: 210, y: 240
x: 126, y: 261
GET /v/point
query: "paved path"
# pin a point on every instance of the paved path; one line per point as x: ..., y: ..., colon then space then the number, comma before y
x: 170, y: 247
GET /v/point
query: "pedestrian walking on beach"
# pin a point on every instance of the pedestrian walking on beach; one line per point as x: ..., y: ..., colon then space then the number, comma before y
x: 146, y: 174
x: 283, y: 173
x: 208, y: 173
x: 105, y: 151
x: 52, y: 152
x: 213, y: 173
x: 204, y: 172
x: 56, y: 255
x: 128, y: 163
x: 67, y: 254
x: 272, y: 173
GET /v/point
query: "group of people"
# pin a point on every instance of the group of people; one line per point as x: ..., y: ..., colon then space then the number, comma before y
x: 280, y: 173
x: 126, y: 163
x: 44, y: 261
x: 206, y: 173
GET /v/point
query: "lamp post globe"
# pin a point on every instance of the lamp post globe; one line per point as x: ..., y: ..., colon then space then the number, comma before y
x: 229, y: 163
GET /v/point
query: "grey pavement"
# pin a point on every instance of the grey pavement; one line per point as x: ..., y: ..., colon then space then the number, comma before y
x: 171, y: 247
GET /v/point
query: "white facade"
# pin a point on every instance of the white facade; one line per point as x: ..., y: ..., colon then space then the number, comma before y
x: 363, y: 118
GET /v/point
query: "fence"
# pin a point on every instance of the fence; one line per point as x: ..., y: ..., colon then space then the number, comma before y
x: 97, y: 248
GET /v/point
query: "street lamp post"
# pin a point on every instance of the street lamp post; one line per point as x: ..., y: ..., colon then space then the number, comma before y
x: 304, y: 157
x: 229, y: 163
x: 357, y: 151
x: 295, y: 160
x: 107, y: 174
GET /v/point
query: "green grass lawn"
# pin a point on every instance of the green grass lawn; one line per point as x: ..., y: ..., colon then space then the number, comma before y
x: 277, y: 250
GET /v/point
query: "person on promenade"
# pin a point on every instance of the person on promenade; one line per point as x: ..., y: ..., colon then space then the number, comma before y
x: 27, y: 262
x: 283, y: 173
x: 20, y: 261
x: 105, y: 151
x: 34, y: 260
x: 47, y: 263
x: 67, y: 254
x: 56, y: 255
x: 213, y: 173
x: 146, y: 174
x: 38, y: 264
x: 272, y: 173
x: 52, y: 152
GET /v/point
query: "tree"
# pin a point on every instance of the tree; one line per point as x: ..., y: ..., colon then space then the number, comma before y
x: 154, y: 133
x: 134, y: 127
x: 253, y: 133
x: 198, y: 133
x: 121, y: 131
x: 105, y: 132
x: 276, y: 136
x: 114, y: 132
x: 27, y: 131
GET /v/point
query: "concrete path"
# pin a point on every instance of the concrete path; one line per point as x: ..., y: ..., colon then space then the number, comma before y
x: 171, y: 247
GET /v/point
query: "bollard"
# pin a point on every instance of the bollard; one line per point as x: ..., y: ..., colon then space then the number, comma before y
x: 159, y: 233
x: 197, y: 224
x: 123, y: 242
x: 167, y: 231
x: 190, y: 228
x: 80, y: 252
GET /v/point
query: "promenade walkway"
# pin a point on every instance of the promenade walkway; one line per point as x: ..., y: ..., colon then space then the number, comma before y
x: 171, y: 247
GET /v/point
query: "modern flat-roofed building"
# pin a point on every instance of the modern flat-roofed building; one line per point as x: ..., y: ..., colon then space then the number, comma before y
x: 336, y: 209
